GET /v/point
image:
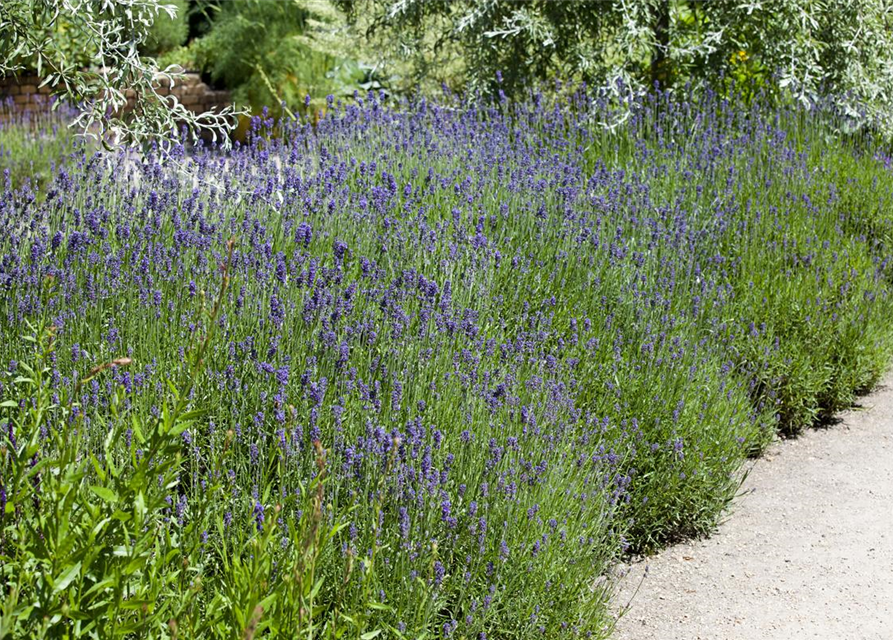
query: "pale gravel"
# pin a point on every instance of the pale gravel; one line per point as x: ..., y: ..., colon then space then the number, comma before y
x: 805, y: 553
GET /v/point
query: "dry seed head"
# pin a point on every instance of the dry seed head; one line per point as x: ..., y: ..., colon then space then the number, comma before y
x: 96, y: 369
x: 252, y: 624
x: 117, y: 362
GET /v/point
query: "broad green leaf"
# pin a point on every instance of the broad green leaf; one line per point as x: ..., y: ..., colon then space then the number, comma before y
x: 98, y: 587
x: 134, y: 565
x: 100, y: 472
x: 193, y: 414
x: 180, y: 426
x: 111, y: 463
x: 267, y: 602
x: 105, y: 493
x: 137, y: 431
x: 316, y: 588
x: 121, y: 516
x: 139, y: 505
x: 66, y: 577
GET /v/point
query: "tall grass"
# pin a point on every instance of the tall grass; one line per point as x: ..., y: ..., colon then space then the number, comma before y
x: 479, y: 352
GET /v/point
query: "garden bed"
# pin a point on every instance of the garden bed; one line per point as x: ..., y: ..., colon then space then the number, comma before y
x: 422, y: 371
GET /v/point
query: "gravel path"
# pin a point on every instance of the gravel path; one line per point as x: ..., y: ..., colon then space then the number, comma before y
x: 807, y: 551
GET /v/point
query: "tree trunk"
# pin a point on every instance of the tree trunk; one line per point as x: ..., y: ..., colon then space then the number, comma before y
x: 660, y: 55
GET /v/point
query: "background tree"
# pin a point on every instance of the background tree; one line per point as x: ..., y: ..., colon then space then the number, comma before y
x: 804, y: 48
x: 88, y: 52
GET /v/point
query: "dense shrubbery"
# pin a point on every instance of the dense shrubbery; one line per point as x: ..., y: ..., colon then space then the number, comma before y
x: 466, y: 357
x: 168, y: 32
x: 278, y: 53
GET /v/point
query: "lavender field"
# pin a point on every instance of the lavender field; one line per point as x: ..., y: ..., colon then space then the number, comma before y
x: 418, y: 370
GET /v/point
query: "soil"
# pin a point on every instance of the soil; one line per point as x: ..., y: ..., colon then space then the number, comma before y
x: 806, y: 552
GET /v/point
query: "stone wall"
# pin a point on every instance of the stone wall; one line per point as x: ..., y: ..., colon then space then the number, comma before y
x: 25, y: 92
x: 192, y: 93
x: 195, y: 95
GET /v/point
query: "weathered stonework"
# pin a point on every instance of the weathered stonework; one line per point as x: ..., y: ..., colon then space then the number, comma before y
x: 195, y: 95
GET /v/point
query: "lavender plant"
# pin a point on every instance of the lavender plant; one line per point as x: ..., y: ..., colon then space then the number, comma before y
x: 470, y: 355
x: 33, y: 144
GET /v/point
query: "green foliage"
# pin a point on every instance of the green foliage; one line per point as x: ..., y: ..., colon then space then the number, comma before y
x: 809, y: 327
x: 87, y: 53
x: 79, y: 536
x: 270, y: 53
x: 89, y: 546
x: 184, y: 57
x: 167, y: 32
x: 840, y: 47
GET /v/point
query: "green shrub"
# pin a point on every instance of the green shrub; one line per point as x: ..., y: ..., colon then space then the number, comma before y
x: 167, y: 33
x: 264, y: 53
x: 185, y: 57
